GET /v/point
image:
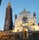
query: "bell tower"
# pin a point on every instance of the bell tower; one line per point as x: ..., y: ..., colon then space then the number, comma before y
x: 8, y: 18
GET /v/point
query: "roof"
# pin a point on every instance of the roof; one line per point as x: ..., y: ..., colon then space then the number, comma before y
x: 24, y: 11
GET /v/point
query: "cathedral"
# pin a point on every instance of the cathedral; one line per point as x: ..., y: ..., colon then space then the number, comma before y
x: 25, y: 21
x: 23, y: 27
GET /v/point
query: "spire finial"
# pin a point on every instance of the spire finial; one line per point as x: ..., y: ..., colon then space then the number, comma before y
x: 9, y: 4
x: 24, y: 9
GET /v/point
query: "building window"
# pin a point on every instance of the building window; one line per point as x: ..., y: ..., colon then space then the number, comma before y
x: 24, y: 19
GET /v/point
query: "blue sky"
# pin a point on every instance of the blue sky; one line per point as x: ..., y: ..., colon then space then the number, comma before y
x: 17, y: 7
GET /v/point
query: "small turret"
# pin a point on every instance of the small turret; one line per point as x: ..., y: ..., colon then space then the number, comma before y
x: 34, y: 14
x: 15, y: 16
x: 38, y: 24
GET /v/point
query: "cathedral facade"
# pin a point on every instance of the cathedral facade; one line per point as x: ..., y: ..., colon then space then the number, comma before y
x: 26, y: 21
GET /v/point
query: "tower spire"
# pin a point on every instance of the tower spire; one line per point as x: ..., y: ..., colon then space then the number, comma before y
x: 8, y: 18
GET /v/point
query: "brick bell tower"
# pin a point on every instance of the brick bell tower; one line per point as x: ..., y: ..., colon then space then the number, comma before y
x: 8, y: 18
